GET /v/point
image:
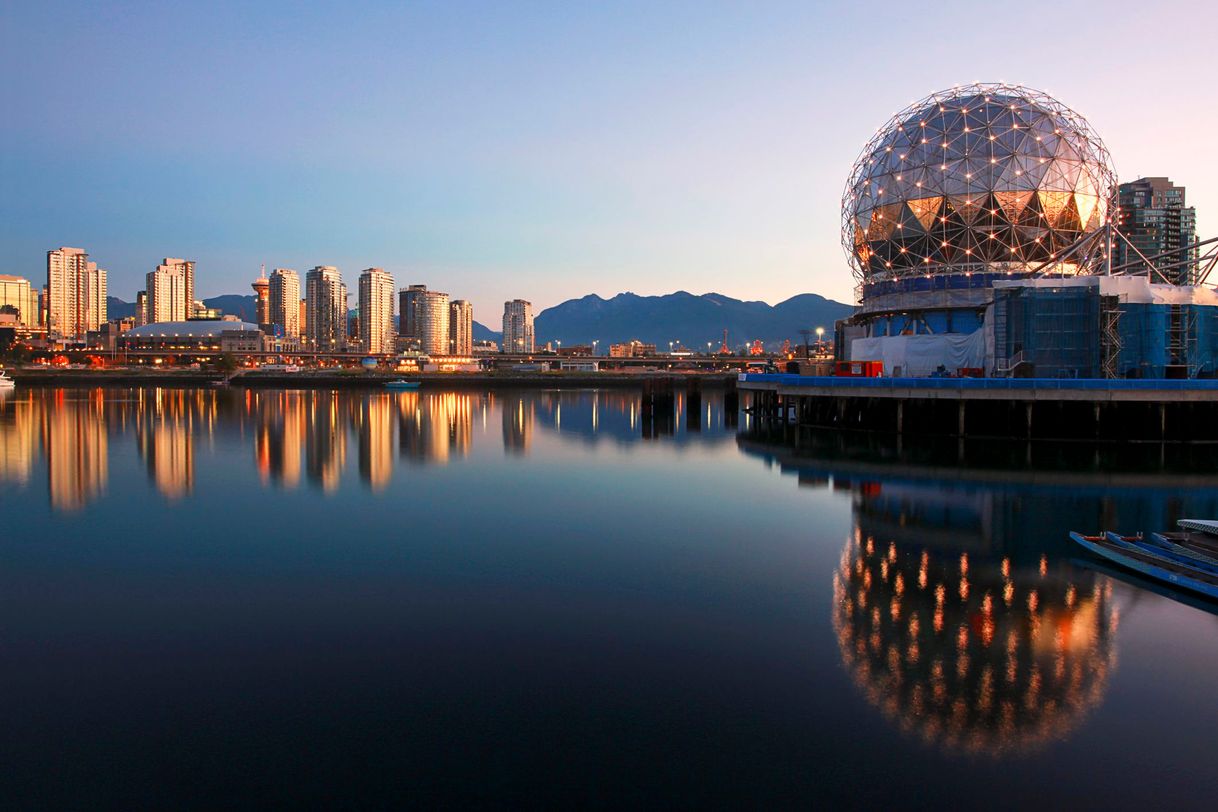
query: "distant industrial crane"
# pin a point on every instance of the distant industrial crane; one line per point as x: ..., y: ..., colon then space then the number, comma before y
x: 807, y: 333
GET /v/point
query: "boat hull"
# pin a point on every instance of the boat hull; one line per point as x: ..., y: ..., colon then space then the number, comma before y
x: 1165, y: 572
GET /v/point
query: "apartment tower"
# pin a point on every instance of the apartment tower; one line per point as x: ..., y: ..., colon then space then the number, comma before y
x: 283, y: 301
x: 17, y: 293
x: 423, y: 317
x: 376, y: 333
x: 408, y: 319
x: 461, y: 328
x: 327, y: 308
x: 76, y: 293
x: 1153, y: 216
x: 170, y: 291
x: 518, y: 333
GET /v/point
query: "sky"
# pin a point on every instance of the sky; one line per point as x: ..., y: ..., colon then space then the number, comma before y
x: 542, y: 151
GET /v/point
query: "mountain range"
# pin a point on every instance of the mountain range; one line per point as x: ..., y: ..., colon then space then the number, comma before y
x: 677, y: 317
x: 685, y: 318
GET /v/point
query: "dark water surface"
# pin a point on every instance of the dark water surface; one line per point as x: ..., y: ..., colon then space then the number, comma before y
x: 217, y: 597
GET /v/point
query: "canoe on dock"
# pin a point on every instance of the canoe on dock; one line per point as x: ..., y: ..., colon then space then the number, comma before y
x: 1168, y: 551
x: 1138, y: 558
x: 1199, y: 546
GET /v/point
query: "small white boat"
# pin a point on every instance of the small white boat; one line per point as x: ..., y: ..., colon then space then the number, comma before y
x: 1208, y: 526
x: 5, y: 381
x: 402, y: 386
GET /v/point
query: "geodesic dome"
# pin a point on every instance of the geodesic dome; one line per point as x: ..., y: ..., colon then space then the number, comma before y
x: 984, y: 177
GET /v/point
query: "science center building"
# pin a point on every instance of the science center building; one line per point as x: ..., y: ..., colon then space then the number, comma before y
x: 980, y: 226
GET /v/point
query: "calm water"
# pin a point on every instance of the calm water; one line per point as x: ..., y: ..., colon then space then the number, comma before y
x: 217, y: 596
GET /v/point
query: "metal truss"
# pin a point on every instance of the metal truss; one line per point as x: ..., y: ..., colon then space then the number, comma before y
x: 976, y: 177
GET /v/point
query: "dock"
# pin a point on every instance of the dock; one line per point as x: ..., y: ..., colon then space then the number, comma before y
x: 1114, y: 410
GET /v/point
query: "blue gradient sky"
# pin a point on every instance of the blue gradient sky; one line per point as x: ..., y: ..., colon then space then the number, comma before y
x: 535, y: 150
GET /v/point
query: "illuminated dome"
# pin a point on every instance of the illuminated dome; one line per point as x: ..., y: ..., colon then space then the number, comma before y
x: 989, y: 177
x: 972, y: 655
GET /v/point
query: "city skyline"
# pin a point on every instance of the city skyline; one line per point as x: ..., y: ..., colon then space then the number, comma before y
x: 606, y: 160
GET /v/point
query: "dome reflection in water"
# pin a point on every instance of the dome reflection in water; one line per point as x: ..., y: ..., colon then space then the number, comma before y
x: 960, y: 609
x: 970, y: 651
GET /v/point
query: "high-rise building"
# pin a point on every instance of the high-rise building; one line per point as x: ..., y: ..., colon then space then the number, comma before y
x: 327, y: 308
x: 76, y: 293
x: 304, y: 317
x: 461, y: 328
x: 1153, y: 216
x: 408, y: 319
x: 376, y: 334
x: 432, y: 314
x: 283, y: 301
x: 141, y: 308
x: 518, y: 333
x: 16, y: 293
x: 423, y: 318
x: 168, y: 296
x: 262, y: 298
x: 172, y: 296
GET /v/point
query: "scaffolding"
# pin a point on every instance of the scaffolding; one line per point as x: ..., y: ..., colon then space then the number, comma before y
x: 1110, y: 335
x: 1182, y: 359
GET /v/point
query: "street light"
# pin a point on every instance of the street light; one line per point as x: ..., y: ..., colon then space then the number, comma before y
x: 820, y: 340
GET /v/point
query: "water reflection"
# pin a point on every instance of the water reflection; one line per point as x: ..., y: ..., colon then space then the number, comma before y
x: 75, y: 441
x: 279, y: 439
x: 436, y: 427
x: 972, y: 653
x: 166, y: 442
x: 307, y: 436
x: 959, y: 606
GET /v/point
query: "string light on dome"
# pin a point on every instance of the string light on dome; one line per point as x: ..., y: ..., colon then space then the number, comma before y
x: 1031, y: 111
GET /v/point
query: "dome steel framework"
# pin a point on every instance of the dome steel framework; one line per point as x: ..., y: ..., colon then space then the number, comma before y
x: 986, y: 177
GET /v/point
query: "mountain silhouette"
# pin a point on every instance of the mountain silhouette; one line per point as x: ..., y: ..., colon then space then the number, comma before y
x: 693, y: 321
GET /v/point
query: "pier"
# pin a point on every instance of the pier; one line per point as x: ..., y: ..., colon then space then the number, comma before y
x: 1016, y: 408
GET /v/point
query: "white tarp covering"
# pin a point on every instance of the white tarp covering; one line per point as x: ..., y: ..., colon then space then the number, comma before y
x: 920, y: 355
x: 1131, y: 289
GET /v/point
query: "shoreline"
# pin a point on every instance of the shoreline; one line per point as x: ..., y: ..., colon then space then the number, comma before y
x: 369, y: 380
